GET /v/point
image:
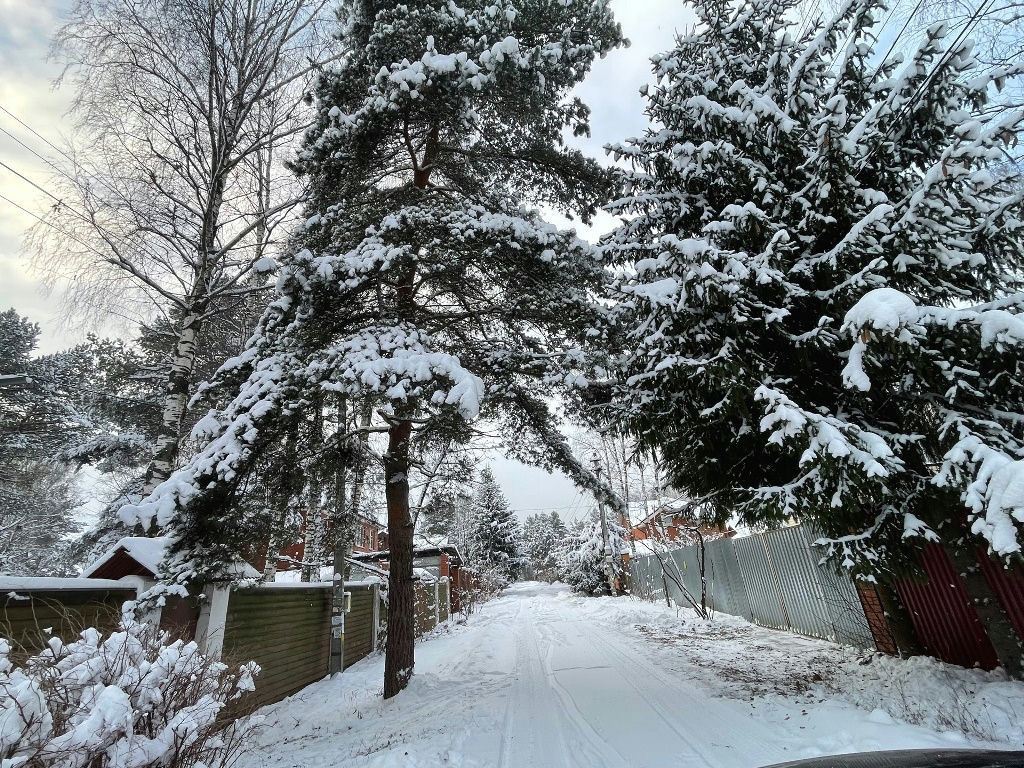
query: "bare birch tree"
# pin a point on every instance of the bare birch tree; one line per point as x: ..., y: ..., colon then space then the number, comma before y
x: 175, y: 188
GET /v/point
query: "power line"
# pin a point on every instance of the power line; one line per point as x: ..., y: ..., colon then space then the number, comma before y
x: 50, y: 224
x: 33, y: 131
x: 46, y: 192
x: 144, y: 248
x: 907, y: 109
x: 42, y: 157
x: 62, y: 171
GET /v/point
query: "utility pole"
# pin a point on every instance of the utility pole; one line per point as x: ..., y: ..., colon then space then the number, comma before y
x: 336, y: 660
x: 606, y: 550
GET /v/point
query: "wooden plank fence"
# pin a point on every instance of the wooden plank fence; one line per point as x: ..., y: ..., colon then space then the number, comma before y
x: 285, y: 628
x: 362, y: 622
x: 58, y: 608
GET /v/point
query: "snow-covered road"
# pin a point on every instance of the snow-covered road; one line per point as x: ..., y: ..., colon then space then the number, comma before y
x: 582, y: 694
x: 539, y: 678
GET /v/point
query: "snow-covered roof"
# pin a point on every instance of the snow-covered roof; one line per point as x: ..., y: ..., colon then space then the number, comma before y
x: 423, y: 574
x: 148, y: 552
x: 367, y: 567
x: 420, y: 550
x: 429, y: 540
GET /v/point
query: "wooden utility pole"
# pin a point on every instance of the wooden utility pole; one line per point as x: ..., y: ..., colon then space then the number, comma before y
x: 605, y: 549
x: 336, y: 663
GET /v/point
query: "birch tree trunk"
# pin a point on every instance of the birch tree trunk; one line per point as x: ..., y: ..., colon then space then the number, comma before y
x: 336, y: 662
x: 179, y: 384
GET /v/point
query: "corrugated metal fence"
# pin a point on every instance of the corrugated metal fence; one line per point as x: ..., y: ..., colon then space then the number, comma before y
x: 945, y: 621
x: 773, y: 579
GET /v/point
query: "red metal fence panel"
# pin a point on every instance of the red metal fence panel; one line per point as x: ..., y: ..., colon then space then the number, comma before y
x: 1008, y: 586
x: 946, y: 624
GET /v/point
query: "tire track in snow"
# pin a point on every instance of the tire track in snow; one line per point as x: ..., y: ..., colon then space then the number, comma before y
x: 714, y: 719
x: 540, y: 729
x: 628, y: 696
x: 589, y: 741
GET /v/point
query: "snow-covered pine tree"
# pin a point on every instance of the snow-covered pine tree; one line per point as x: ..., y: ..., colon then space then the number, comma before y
x: 81, y: 405
x: 543, y: 534
x: 497, y: 536
x: 421, y: 280
x: 822, y: 265
x: 580, y: 556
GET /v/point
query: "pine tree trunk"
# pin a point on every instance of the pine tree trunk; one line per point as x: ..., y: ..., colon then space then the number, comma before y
x: 990, y: 610
x: 399, y: 656
x: 282, y: 496
x: 359, y: 477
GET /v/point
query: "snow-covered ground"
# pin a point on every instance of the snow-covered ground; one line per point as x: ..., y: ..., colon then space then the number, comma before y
x: 541, y: 678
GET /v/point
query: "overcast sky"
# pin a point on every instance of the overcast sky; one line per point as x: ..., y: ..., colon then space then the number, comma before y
x: 26, y: 91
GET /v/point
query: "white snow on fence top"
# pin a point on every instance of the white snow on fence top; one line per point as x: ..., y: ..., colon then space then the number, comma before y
x: 149, y: 553
x: 296, y: 585
x: 39, y: 583
x: 315, y: 584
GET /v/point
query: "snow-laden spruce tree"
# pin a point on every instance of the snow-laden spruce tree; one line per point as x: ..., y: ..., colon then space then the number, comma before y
x: 543, y: 533
x: 497, y: 535
x: 422, y: 280
x: 822, y: 251
x: 581, y: 555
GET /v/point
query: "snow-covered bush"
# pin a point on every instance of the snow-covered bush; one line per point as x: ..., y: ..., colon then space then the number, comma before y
x: 130, y: 700
x: 581, y: 562
x: 479, y: 584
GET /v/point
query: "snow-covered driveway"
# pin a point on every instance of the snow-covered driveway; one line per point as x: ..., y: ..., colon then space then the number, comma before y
x: 539, y: 678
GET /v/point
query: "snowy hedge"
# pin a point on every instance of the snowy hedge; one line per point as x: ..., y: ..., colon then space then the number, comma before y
x: 130, y: 700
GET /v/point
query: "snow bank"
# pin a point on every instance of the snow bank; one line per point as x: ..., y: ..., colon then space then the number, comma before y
x: 738, y: 659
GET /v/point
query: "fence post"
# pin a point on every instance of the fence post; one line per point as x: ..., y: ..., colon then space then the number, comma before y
x: 437, y: 602
x: 153, y: 612
x: 213, y: 618
x: 376, y: 614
